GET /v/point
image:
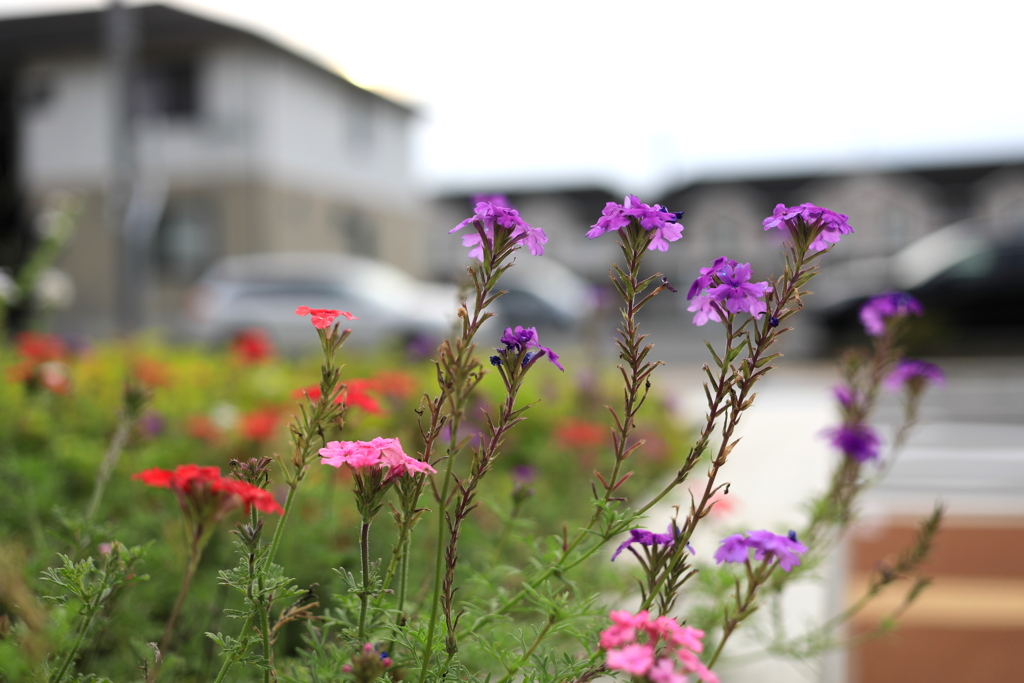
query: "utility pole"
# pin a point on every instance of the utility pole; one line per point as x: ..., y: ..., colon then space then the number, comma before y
x: 121, y: 33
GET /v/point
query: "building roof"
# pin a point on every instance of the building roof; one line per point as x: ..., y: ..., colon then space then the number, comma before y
x: 161, y: 28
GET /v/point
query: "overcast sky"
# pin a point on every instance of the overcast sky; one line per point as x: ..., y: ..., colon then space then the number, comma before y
x: 633, y: 96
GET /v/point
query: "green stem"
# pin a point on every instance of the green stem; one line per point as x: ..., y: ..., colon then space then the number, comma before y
x: 110, y: 459
x: 526, y: 655
x: 364, y: 595
x: 59, y: 676
x: 195, y: 553
x: 435, y: 604
x: 278, y: 531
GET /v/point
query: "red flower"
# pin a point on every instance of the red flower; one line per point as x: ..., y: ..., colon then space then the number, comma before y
x: 202, y: 427
x: 259, y: 425
x: 41, y: 347
x: 312, y: 391
x: 323, y: 317
x: 353, y: 393
x: 572, y: 434
x: 250, y: 495
x: 252, y: 346
x: 151, y: 372
x: 205, y: 495
x: 394, y: 383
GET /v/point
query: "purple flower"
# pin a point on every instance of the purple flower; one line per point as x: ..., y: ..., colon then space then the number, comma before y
x: 524, y: 474
x: 648, y: 538
x: 728, y: 284
x: 526, y: 338
x: 845, y: 395
x: 769, y: 546
x: 766, y: 546
x: 856, y: 441
x: 825, y: 225
x: 493, y: 216
x: 915, y: 374
x: 732, y: 549
x: 878, y: 309
x: 706, y: 278
x: 663, y: 222
x: 704, y: 307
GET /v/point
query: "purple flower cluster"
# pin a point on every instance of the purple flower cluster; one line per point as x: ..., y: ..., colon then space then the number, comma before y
x: 878, y: 309
x: 663, y: 222
x: 526, y: 338
x: 857, y: 441
x: 766, y: 546
x: 826, y: 226
x: 493, y: 216
x: 915, y: 374
x: 727, y: 284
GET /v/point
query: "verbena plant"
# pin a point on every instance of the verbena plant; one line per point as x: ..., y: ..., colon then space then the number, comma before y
x: 445, y: 563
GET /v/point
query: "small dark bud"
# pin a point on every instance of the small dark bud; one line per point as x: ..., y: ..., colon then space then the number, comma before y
x: 773, y: 321
x: 495, y: 361
x: 527, y: 358
x: 668, y: 285
x: 792, y: 535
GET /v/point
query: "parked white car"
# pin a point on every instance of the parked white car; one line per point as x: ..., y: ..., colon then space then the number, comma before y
x: 263, y: 290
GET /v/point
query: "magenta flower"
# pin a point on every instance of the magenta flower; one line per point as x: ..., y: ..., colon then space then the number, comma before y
x: 663, y: 222
x: 766, y: 546
x: 491, y: 217
x: 878, y: 309
x: 914, y: 374
x: 857, y: 441
x: 726, y: 283
x: 526, y: 338
x: 825, y: 225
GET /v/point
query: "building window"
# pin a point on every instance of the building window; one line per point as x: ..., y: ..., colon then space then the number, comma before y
x: 166, y: 89
x: 187, y: 239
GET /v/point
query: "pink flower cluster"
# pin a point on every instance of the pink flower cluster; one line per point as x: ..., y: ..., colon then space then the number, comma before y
x: 378, y: 453
x: 668, y: 654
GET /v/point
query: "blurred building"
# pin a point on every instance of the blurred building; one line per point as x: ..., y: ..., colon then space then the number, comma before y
x: 888, y: 208
x: 186, y: 139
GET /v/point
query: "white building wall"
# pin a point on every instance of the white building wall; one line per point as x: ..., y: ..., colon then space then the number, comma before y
x: 65, y: 136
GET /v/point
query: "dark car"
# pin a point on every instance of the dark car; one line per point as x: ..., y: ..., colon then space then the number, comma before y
x: 970, y: 285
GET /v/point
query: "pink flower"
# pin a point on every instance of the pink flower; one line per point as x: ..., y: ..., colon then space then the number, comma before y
x: 634, y: 659
x: 623, y: 629
x: 693, y: 665
x: 378, y: 453
x: 664, y: 671
x: 323, y: 317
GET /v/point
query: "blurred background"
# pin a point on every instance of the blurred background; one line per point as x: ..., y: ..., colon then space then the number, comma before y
x: 197, y: 168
